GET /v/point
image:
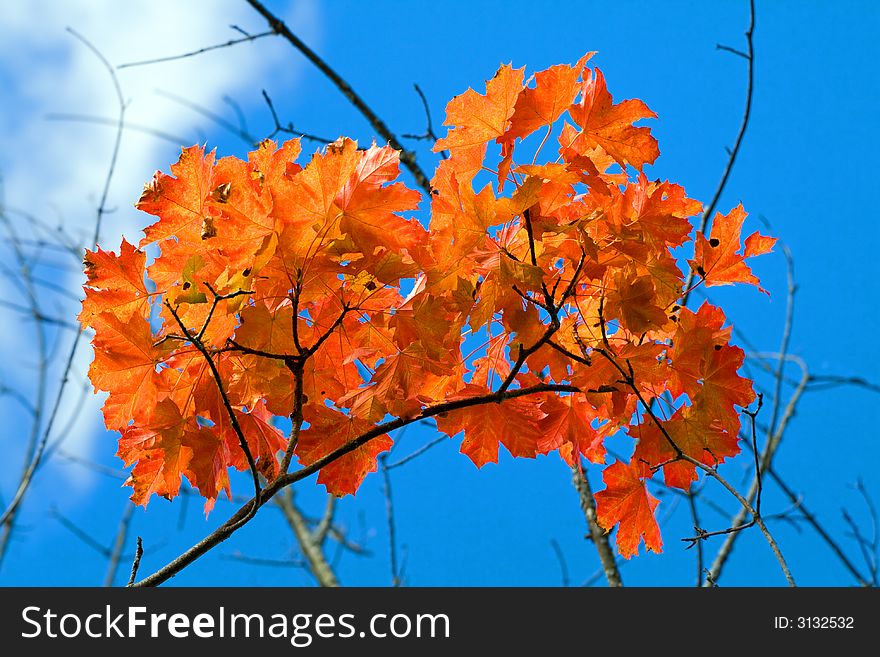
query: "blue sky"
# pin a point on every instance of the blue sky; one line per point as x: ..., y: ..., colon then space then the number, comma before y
x: 804, y: 168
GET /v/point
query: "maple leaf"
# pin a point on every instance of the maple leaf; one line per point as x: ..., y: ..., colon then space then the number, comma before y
x: 125, y: 366
x: 554, y: 91
x: 159, y: 452
x: 115, y: 284
x: 513, y: 423
x: 369, y: 204
x: 611, y: 127
x: 567, y: 427
x: 179, y: 199
x: 329, y: 430
x: 263, y: 438
x: 481, y: 118
x: 626, y: 500
x: 695, y: 432
x: 633, y: 299
x: 696, y: 336
x: 716, y: 259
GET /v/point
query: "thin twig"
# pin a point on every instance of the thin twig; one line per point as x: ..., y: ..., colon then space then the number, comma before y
x: 261, y: 561
x: 429, y: 130
x: 138, y: 553
x: 171, y: 58
x: 829, y: 380
x: 389, y: 514
x: 417, y: 453
x: 774, y: 436
x: 786, y: 337
x: 82, y: 535
x: 196, y: 341
x: 27, y: 283
x: 747, y: 507
x: 119, y: 544
x: 246, y: 137
x: 310, y: 543
x: 735, y: 51
x: 289, y: 129
x: 100, y: 120
x: 563, y: 566
x: 695, y: 518
x: 813, y: 521
x: 707, y: 215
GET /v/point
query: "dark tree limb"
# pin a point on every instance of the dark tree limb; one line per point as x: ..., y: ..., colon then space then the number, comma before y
x: 244, y: 513
x: 707, y: 215
x: 227, y: 44
x: 408, y: 158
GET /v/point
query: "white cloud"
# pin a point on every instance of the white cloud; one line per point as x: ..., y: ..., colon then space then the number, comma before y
x: 56, y: 170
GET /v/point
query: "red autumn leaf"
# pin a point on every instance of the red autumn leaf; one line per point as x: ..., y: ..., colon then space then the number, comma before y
x: 115, y: 284
x: 568, y: 428
x: 481, y: 118
x: 330, y: 430
x: 626, y: 500
x: 716, y: 259
x: 695, y: 432
x: 610, y: 126
x: 513, y: 423
x: 555, y: 90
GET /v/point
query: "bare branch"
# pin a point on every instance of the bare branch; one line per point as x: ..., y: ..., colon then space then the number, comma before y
x: 243, y: 515
x: 260, y: 561
x: 429, y: 130
x: 389, y: 513
x: 817, y: 526
x: 246, y: 137
x: 27, y: 477
x: 695, y: 518
x: 289, y: 129
x: 171, y: 58
x: 563, y: 566
x: 310, y: 543
x: 119, y: 544
x: 707, y: 215
x: 100, y: 120
x: 233, y: 418
x: 408, y: 158
x: 138, y: 553
x: 417, y: 453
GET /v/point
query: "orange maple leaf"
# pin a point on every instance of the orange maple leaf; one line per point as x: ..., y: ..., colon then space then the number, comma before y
x: 481, y: 118
x: 626, y: 500
x: 610, y: 126
x: 513, y: 423
x: 716, y: 259
x: 329, y: 430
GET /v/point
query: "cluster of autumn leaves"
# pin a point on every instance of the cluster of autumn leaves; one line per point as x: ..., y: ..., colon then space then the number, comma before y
x: 268, y: 288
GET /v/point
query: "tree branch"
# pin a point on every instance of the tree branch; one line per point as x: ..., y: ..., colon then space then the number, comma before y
x: 597, y: 534
x: 171, y: 58
x: 408, y: 158
x: 310, y: 542
x: 243, y: 515
x: 707, y: 215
